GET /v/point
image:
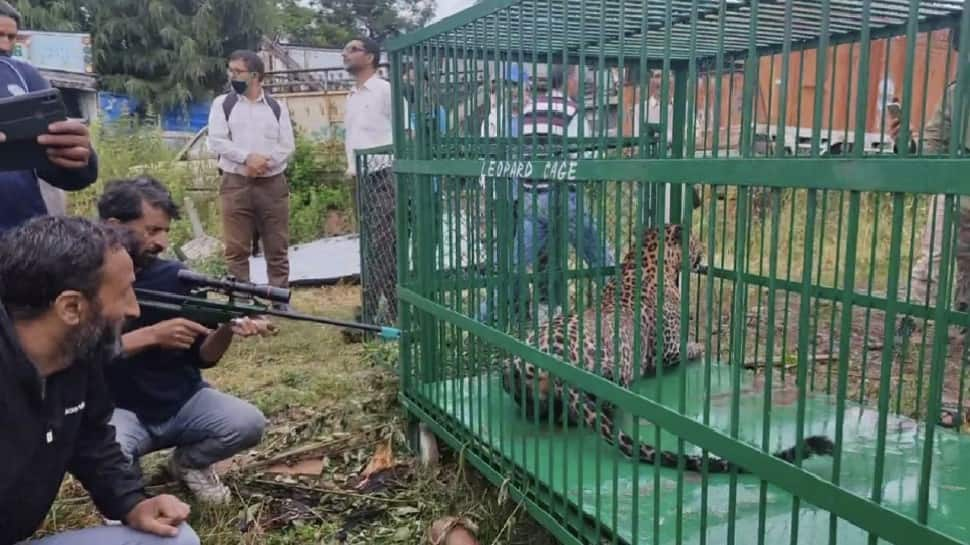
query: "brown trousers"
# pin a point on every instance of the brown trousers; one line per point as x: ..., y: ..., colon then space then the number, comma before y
x: 262, y: 206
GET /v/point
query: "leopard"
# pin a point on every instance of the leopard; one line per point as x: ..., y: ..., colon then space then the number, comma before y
x: 531, y: 387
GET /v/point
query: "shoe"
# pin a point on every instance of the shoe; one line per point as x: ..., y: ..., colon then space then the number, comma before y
x: 204, y: 483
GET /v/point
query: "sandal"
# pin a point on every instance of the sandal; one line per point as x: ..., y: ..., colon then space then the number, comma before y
x: 462, y: 529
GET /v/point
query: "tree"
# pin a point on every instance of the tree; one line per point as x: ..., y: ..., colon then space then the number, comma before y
x: 377, y: 19
x: 164, y: 52
x: 54, y: 15
x: 307, y: 26
x: 168, y: 52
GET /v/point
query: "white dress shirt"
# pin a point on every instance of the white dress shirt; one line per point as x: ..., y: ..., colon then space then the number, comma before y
x: 252, y: 128
x: 367, y: 121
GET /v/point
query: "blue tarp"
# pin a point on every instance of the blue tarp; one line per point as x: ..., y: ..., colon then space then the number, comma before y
x: 114, y: 105
x: 191, y: 118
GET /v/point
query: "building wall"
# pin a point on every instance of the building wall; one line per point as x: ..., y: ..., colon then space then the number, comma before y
x: 319, y: 114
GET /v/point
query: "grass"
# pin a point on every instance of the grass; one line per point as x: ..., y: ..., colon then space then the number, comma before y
x: 315, y: 389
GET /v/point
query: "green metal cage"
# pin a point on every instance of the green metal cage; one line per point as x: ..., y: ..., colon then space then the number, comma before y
x: 830, y: 297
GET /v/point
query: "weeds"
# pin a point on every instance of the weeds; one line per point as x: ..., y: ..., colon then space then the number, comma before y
x: 311, y: 386
x: 315, y: 389
x: 318, y: 186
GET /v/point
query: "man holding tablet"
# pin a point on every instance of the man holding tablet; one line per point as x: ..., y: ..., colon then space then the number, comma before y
x: 71, y: 162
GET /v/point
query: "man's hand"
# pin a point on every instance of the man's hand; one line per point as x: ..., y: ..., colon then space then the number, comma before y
x: 160, y: 515
x: 248, y: 327
x: 68, y: 144
x: 257, y: 164
x: 178, y: 333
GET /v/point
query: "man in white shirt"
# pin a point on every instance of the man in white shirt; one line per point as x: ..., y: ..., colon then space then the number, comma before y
x: 367, y: 121
x: 252, y: 134
x: 367, y: 115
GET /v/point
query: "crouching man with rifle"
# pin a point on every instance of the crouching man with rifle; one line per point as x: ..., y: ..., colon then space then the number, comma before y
x: 160, y: 397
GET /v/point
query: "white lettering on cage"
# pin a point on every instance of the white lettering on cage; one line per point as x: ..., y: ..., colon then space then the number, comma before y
x: 502, y: 169
x: 560, y: 170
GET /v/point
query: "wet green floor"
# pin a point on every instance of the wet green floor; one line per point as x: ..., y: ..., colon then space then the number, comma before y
x: 578, y: 465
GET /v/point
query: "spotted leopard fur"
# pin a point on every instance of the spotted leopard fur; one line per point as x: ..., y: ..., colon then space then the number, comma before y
x: 560, y: 337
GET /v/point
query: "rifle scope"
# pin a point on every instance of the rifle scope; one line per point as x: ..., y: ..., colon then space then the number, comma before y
x: 272, y: 293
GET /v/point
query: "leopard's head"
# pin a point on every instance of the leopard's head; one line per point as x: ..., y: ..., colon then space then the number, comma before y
x: 674, y: 251
x: 526, y: 377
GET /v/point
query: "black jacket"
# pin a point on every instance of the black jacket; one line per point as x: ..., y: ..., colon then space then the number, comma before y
x: 20, y: 196
x: 46, y: 432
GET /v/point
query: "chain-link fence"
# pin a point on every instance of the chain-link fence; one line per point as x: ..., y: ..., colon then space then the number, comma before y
x: 376, y: 217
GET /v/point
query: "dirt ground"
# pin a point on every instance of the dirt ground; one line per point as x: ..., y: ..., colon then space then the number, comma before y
x: 333, y: 418
x: 910, y: 357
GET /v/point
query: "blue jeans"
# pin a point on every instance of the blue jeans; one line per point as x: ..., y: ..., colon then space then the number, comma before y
x: 537, y: 222
x: 116, y: 535
x: 210, y: 427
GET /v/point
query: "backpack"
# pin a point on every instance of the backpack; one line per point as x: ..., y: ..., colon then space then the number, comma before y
x: 232, y: 98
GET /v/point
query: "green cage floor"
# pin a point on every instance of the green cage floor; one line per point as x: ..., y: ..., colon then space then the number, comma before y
x: 577, y: 464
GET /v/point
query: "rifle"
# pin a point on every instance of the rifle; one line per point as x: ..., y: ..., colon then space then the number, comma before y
x: 211, y: 313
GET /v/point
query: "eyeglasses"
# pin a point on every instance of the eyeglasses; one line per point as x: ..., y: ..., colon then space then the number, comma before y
x: 353, y: 49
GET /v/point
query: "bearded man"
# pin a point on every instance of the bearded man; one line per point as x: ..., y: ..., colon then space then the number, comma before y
x: 161, y: 399
x: 66, y: 290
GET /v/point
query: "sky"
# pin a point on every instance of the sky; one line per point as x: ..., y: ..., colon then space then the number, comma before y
x: 445, y: 7
x: 449, y: 7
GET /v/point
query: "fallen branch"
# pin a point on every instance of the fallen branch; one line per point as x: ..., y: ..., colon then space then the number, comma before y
x: 334, y: 491
x: 313, y: 449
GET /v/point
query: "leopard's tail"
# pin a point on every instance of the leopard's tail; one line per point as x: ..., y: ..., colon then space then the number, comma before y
x: 816, y: 445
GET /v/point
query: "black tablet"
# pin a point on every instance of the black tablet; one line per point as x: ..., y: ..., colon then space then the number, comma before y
x: 22, y: 119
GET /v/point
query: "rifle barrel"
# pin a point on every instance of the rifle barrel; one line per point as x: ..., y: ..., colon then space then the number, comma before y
x: 384, y: 331
x: 155, y: 297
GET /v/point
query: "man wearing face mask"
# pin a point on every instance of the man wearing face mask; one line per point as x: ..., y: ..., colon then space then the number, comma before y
x: 74, y: 165
x: 252, y: 134
x: 66, y: 290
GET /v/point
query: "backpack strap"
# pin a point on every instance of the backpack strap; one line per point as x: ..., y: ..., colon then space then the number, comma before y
x: 233, y: 98
x: 273, y: 105
x: 229, y: 104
